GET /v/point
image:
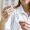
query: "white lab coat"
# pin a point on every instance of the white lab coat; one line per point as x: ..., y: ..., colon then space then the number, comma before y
x: 13, y: 21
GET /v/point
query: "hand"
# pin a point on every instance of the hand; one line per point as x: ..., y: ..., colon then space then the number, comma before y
x: 6, y: 12
x: 24, y: 26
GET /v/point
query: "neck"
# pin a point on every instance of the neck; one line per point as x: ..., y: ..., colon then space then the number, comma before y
x: 27, y: 11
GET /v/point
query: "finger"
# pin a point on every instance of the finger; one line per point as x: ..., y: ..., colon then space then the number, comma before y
x: 26, y: 27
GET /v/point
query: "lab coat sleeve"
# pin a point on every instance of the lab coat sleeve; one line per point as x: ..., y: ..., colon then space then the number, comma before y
x: 14, y: 24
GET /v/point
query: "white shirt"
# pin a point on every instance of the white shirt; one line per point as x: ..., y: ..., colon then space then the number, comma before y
x: 18, y: 15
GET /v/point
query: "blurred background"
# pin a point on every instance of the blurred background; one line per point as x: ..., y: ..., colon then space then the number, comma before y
x: 4, y: 3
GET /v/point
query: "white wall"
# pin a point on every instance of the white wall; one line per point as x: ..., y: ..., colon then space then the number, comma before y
x: 4, y: 3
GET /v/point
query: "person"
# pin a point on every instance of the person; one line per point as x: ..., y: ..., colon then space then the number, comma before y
x: 22, y: 15
x: 20, y: 18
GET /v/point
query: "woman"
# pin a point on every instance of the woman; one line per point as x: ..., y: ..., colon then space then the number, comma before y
x: 18, y: 19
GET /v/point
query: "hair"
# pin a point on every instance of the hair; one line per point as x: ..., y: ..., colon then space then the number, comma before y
x: 18, y: 4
